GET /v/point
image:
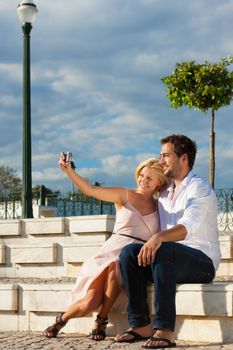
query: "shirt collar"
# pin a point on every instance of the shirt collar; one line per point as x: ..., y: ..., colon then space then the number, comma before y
x: 187, y: 178
x: 184, y: 182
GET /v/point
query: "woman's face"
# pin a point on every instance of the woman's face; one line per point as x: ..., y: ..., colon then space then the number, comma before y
x: 148, y: 180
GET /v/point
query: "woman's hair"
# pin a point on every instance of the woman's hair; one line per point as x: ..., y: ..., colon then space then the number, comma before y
x: 153, y: 163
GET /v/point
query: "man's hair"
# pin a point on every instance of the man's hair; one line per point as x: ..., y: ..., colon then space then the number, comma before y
x: 182, y: 145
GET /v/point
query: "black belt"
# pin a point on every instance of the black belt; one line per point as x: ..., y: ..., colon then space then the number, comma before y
x: 137, y: 238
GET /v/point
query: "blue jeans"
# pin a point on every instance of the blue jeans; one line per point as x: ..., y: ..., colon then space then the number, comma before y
x: 174, y: 263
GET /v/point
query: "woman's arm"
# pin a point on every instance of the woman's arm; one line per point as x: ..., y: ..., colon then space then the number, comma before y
x: 115, y: 195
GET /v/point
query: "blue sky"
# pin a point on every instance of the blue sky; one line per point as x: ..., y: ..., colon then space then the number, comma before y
x: 96, y: 90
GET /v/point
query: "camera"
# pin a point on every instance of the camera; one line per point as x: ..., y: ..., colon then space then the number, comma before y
x: 69, y: 158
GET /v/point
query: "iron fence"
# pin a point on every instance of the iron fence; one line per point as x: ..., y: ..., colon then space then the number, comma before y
x: 225, y: 209
x: 78, y: 204
x: 10, y: 207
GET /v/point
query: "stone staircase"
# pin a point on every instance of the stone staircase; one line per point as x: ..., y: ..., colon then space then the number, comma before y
x: 39, y: 259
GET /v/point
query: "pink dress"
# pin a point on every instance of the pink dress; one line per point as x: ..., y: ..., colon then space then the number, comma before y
x: 129, y: 222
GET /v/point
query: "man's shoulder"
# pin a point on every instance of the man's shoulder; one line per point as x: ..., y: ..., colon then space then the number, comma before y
x: 200, y: 186
x: 195, y: 179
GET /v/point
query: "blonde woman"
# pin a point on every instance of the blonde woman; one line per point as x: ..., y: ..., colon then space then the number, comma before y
x: 136, y: 221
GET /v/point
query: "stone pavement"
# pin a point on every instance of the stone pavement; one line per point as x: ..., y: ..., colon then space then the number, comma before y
x: 28, y: 341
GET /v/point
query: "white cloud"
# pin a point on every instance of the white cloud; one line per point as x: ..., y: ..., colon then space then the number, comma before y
x: 44, y: 158
x: 11, y: 71
x: 48, y: 174
x: 96, y: 69
x: 8, y: 101
x: 148, y: 60
x: 69, y: 79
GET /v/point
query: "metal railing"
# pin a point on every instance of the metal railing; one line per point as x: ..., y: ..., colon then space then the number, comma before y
x: 78, y: 204
x: 225, y: 209
x: 66, y: 205
x: 11, y: 205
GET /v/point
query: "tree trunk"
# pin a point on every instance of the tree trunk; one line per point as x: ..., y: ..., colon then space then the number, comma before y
x: 212, y: 152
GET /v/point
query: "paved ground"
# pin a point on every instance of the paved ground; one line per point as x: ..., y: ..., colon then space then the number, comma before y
x: 28, y: 341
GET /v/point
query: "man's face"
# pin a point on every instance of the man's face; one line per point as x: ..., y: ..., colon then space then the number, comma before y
x: 170, y: 162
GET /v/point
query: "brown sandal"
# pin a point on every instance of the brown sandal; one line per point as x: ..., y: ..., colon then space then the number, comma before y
x: 52, y: 331
x: 98, y: 333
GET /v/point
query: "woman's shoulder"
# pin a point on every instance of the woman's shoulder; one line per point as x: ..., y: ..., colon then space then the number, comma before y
x: 129, y: 195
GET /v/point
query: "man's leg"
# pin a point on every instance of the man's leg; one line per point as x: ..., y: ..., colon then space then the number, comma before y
x: 175, y: 263
x: 135, y: 279
x: 135, y: 282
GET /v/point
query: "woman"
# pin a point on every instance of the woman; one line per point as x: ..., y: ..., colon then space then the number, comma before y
x: 136, y: 221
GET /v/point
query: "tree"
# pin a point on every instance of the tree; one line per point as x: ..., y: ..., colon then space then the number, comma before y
x: 83, y: 197
x: 47, y: 191
x: 202, y: 87
x: 9, y: 181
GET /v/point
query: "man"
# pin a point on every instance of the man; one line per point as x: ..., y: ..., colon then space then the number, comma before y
x: 186, y: 250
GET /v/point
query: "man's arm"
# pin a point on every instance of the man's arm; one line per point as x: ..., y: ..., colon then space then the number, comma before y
x: 149, y: 249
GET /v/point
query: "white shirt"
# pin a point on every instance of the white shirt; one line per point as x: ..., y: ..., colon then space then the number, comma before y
x: 194, y: 206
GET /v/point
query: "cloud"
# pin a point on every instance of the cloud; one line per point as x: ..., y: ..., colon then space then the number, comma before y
x: 96, y: 89
x: 10, y: 71
x: 51, y: 174
x: 8, y: 101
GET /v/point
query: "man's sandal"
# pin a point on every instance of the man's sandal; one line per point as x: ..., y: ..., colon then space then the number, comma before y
x: 52, y: 331
x: 168, y: 343
x: 134, y: 337
x: 98, y: 333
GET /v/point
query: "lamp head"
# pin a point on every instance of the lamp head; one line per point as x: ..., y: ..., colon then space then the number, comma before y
x: 27, y: 11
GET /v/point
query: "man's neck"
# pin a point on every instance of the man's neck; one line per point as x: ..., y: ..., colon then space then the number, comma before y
x: 181, y: 177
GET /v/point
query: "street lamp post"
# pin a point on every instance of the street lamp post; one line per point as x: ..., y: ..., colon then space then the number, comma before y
x: 27, y: 12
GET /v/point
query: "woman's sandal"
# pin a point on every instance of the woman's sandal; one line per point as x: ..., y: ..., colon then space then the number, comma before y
x: 98, y: 333
x: 52, y: 331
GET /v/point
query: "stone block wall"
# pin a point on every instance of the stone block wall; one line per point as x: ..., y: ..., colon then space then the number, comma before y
x: 40, y: 258
x: 50, y: 247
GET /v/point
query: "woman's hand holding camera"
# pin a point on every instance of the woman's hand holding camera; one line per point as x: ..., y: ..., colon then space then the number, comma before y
x: 66, y: 161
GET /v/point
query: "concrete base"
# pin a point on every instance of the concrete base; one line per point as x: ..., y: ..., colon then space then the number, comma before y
x: 204, y: 312
x: 55, y: 248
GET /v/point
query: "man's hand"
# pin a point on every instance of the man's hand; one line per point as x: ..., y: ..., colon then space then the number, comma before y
x: 148, y: 251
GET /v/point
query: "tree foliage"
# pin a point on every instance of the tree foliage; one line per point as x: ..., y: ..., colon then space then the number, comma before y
x: 202, y: 87
x: 47, y: 191
x: 10, y: 182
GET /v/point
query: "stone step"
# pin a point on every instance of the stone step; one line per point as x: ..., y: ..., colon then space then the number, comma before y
x: 204, y: 311
x: 53, y: 249
x: 225, y: 269
x: 57, y: 247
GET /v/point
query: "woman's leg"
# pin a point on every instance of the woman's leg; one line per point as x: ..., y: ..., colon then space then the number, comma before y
x: 112, y: 290
x: 92, y: 300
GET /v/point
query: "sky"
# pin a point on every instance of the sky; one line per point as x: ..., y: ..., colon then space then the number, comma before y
x: 96, y: 89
